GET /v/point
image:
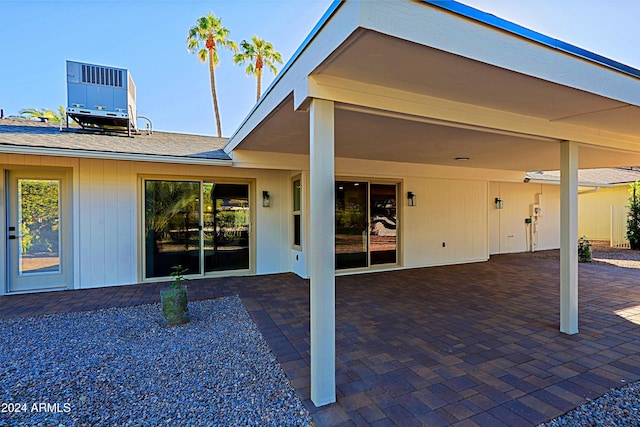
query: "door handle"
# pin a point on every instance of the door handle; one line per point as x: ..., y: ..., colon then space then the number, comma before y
x: 12, y: 237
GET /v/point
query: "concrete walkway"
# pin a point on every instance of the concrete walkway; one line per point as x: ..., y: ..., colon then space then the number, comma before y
x: 463, y: 345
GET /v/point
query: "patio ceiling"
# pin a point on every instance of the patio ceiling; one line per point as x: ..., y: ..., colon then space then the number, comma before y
x: 490, y: 98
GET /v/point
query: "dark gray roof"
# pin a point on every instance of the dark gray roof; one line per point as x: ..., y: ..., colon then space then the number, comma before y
x: 44, y: 137
x: 591, y: 177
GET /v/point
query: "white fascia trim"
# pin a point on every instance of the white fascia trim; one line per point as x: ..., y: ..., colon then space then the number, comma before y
x: 88, y: 154
x: 580, y: 183
x: 431, y: 25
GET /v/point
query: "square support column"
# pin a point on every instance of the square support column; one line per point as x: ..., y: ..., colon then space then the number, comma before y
x: 569, y: 237
x: 322, y: 252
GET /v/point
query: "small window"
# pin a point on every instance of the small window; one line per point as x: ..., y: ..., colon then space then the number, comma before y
x: 297, y: 213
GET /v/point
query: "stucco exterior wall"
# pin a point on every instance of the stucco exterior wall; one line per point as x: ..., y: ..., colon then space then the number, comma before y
x: 594, y: 211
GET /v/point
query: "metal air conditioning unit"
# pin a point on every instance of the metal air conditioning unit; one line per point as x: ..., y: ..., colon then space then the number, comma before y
x: 101, y: 98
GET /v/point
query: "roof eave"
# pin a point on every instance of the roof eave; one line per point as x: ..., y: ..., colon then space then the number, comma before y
x: 105, y: 155
x: 510, y: 27
x: 580, y: 183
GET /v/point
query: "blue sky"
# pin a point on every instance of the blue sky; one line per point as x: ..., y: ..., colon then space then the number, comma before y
x: 148, y: 38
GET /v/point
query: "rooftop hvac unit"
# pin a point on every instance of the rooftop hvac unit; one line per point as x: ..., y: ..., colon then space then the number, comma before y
x: 101, y: 98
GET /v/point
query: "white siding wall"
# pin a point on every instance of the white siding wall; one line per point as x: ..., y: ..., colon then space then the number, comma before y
x: 106, y: 214
x: 108, y: 247
x: 508, y: 231
x: 450, y: 209
x: 449, y: 212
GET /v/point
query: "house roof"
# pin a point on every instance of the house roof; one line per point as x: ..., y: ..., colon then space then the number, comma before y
x: 503, y: 24
x: 601, y: 177
x: 469, y: 85
x: 34, y: 137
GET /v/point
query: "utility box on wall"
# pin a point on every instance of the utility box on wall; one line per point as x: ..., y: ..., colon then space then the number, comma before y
x: 100, y: 97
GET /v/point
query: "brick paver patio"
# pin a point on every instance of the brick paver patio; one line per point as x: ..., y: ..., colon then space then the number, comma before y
x: 463, y: 345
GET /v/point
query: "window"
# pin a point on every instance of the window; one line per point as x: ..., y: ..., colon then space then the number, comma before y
x: 201, y: 225
x: 366, y: 224
x: 297, y: 214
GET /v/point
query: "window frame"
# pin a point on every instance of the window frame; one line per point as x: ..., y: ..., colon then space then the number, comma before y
x: 142, y: 178
x: 296, y: 213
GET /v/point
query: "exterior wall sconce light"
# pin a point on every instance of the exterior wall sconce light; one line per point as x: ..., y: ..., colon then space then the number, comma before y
x: 266, y: 199
x: 499, y: 204
x: 411, y: 199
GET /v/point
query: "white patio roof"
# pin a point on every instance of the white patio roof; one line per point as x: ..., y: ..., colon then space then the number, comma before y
x: 427, y: 82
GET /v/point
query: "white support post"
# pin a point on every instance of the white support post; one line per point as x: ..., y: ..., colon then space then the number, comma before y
x: 322, y: 252
x: 569, y: 237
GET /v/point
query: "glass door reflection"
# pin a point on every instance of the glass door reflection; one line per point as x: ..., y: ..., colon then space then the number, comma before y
x: 172, y: 227
x: 351, y: 225
x: 39, y: 226
x: 226, y: 217
x: 383, y: 224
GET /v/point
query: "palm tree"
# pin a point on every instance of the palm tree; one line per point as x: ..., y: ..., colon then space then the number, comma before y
x: 49, y: 115
x: 257, y: 53
x: 209, y: 30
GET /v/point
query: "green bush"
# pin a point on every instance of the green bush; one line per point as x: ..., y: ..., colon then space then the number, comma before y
x: 175, y: 307
x: 633, y: 220
x: 584, y: 250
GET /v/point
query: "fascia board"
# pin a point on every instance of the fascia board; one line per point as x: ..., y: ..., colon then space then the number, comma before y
x: 451, y: 27
x: 87, y: 154
x: 518, y: 30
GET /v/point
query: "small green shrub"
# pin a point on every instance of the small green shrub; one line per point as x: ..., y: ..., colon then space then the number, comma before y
x: 633, y: 220
x: 174, y: 301
x: 178, y: 279
x: 584, y: 250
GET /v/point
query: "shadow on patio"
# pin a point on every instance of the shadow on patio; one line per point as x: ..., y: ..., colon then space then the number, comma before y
x: 474, y: 344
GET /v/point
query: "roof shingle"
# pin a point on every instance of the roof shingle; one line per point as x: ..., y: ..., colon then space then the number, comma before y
x: 32, y: 134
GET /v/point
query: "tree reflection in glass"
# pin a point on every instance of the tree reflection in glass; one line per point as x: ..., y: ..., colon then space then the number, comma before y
x: 39, y: 222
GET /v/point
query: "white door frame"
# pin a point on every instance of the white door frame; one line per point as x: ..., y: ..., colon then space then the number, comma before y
x: 62, y: 279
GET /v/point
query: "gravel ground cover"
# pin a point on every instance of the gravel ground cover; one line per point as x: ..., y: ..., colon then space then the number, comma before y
x: 602, y: 253
x: 122, y: 367
x: 618, y: 408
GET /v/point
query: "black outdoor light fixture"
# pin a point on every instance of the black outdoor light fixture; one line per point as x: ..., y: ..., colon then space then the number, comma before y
x: 266, y: 199
x: 411, y: 199
x: 499, y: 204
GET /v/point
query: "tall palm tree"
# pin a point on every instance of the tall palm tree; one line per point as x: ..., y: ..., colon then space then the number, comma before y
x: 257, y: 53
x: 209, y: 32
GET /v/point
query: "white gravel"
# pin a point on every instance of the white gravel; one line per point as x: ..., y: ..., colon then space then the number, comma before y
x: 122, y: 367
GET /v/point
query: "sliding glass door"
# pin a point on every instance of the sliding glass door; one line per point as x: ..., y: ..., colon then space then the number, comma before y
x: 366, y: 224
x: 351, y: 225
x: 226, y: 227
x: 201, y: 226
x: 383, y: 220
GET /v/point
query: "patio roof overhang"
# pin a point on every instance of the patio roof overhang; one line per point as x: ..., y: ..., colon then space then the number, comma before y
x: 428, y: 82
x: 418, y: 83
